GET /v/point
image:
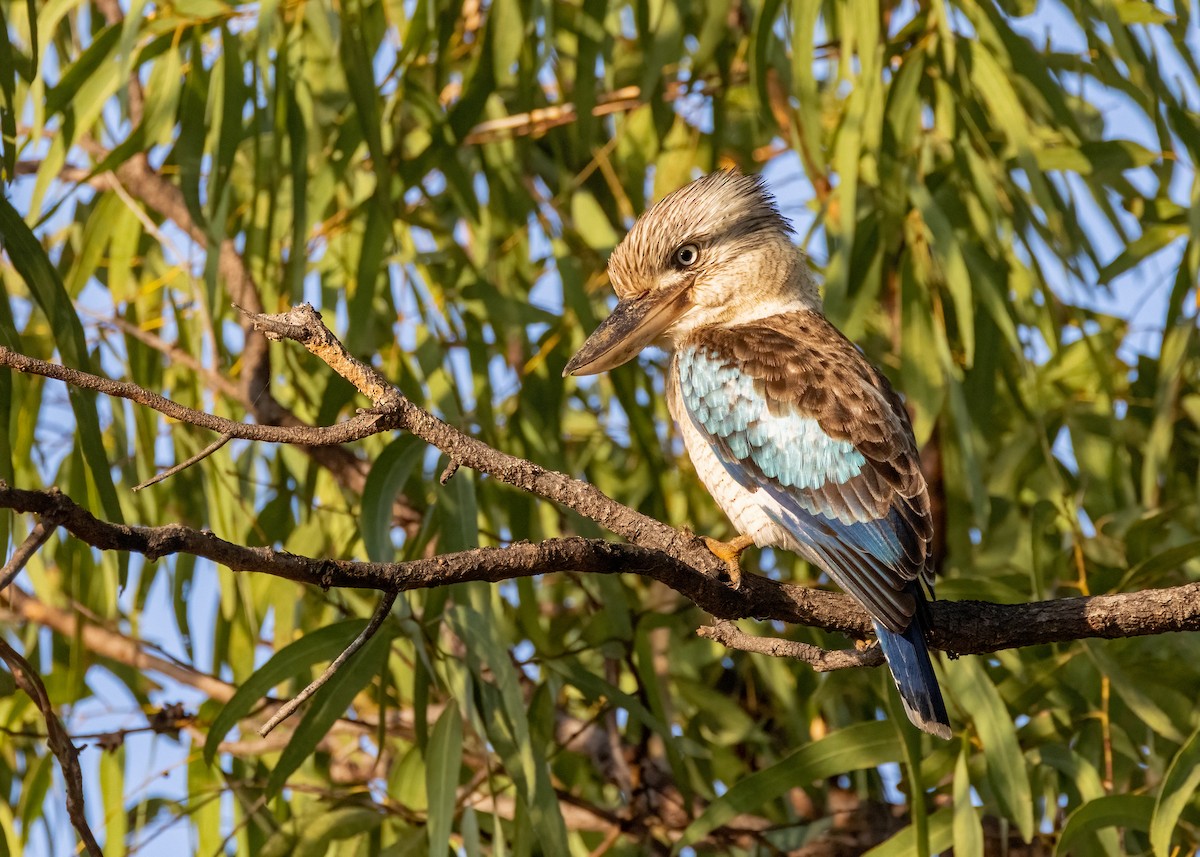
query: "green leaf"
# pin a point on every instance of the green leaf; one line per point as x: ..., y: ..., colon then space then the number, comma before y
x: 1175, y: 793
x: 968, y: 831
x: 1006, y: 769
x: 40, y: 276
x: 591, y: 221
x: 1097, y: 157
x: 392, y: 468
x: 507, y: 29
x: 956, y: 274
x: 443, y: 757
x: 112, y: 790
x: 1085, y: 778
x: 9, y: 339
x: 8, y: 109
x: 317, y: 646
x: 506, y: 720
x: 1141, y: 12
x: 1167, y: 560
x: 760, y: 56
x: 319, y: 832
x: 1152, y: 240
x: 328, y: 704
x: 1154, y: 706
x: 83, y: 70
x: 864, y: 745
x: 1125, y: 811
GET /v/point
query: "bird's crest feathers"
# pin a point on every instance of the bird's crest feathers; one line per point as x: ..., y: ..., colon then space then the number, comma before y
x: 725, y: 208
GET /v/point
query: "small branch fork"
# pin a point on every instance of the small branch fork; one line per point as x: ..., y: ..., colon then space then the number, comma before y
x: 60, y: 742
x: 674, y: 557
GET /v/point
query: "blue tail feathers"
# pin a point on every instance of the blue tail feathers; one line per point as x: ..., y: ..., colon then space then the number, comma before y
x: 908, y: 657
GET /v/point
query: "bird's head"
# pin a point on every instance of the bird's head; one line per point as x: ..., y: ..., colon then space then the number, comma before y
x: 715, y: 252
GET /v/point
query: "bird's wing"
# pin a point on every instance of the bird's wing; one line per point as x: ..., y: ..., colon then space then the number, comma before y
x: 795, y: 411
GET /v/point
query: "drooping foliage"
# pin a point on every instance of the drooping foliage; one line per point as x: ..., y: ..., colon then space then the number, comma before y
x: 1001, y: 198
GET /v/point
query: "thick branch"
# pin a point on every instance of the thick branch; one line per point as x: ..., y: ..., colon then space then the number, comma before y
x: 304, y: 325
x: 964, y: 627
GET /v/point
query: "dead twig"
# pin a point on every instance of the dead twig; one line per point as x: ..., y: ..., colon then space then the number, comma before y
x: 25, y: 550
x: 184, y: 465
x: 289, y: 708
x: 364, y: 425
x: 822, y: 660
x: 57, y: 739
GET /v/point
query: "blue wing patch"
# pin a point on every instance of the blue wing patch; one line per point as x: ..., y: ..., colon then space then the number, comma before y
x: 812, y: 478
x: 789, y: 447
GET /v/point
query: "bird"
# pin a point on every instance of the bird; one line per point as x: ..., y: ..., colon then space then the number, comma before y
x: 801, y: 441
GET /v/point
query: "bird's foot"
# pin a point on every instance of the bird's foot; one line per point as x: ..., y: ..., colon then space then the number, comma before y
x: 731, y: 553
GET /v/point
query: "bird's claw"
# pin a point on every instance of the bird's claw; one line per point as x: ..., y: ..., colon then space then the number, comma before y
x: 730, y: 552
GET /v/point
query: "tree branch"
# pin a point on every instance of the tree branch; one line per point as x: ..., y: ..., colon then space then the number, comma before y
x: 962, y: 627
x: 674, y: 557
x: 361, y: 426
x: 822, y: 660
x: 59, y: 741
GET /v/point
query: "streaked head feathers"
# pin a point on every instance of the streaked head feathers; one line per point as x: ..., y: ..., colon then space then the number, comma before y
x: 722, y: 212
x: 714, y: 253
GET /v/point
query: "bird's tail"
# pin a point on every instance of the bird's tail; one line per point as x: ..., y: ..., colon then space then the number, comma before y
x: 908, y: 657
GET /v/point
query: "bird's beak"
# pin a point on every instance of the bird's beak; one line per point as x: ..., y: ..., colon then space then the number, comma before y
x: 634, y: 324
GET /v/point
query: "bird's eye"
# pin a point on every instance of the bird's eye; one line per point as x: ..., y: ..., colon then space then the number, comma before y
x: 686, y: 256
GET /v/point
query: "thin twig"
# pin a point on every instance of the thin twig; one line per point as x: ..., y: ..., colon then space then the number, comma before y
x: 363, y: 425
x: 822, y: 660
x: 289, y: 708
x: 36, y: 538
x: 348, y: 469
x: 57, y: 739
x: 183, y: 465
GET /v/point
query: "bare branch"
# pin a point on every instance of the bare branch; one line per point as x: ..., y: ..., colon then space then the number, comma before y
x: 58, y: 740
x: 183, y: 465
x: 304, y: 325
x: 961, y: 627
x: 141, y: 181
x: 289, y: 708
x: 25, y: 550
x: 364, y: 425
x: 822, y: 660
